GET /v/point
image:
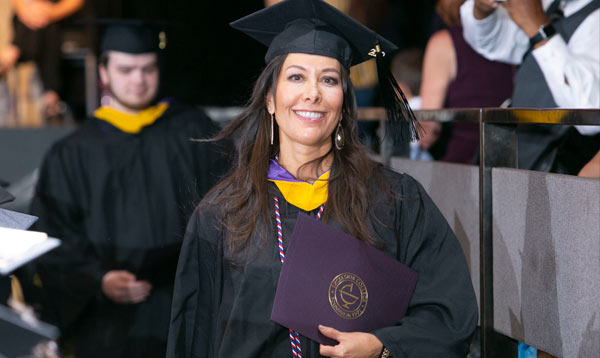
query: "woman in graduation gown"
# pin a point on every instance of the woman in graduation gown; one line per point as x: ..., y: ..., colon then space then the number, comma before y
x: 298, y: 152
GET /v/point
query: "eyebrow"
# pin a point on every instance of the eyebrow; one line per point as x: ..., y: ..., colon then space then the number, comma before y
x: 329, y: 69
x: 130, y: 66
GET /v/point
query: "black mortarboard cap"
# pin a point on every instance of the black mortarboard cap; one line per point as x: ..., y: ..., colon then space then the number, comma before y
x: 18, y: 336
x: 5, y: 196
x: 13, y: 219
x: 130, y: 35
x: 313, y: 27
x: 317, y: 28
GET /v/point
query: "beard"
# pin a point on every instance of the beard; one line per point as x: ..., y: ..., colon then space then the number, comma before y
x: 136, y: 106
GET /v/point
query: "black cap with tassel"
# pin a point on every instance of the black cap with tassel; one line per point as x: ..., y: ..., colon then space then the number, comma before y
x: 396, y: 104
x: 315, y: 27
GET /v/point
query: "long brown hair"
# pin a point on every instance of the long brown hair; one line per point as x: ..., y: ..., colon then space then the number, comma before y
x: 243, y: 196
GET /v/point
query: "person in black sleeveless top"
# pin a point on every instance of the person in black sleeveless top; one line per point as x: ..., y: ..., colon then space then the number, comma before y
x: 37, y: 39
x: 455, y: 76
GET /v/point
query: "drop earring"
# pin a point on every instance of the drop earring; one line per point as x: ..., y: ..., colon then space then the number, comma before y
x: 339, y: 136
x: 272, y: 131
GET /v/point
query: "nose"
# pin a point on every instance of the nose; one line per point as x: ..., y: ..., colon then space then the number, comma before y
x: 138, y: 76
x: 312, y: 92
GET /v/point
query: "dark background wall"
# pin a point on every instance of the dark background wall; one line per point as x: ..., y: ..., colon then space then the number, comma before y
x: 209, y: 63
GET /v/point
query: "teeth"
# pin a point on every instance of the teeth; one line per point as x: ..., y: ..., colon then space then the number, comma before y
x: 311, y: 115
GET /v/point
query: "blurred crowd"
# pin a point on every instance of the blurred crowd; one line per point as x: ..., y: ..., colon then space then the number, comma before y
x: 454, y: 54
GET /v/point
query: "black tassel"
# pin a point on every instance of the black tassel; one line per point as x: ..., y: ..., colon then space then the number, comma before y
x: 403, y: 122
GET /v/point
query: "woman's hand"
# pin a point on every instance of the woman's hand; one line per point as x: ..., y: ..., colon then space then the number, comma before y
x: 351, y: 344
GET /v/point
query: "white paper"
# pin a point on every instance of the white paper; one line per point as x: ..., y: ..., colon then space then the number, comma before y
x: 18, y: 247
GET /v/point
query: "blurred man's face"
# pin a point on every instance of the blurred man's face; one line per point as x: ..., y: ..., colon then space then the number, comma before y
x: 132, y: 80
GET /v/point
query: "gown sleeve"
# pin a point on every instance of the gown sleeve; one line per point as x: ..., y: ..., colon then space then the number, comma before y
x: 442, y: 314
x: 192, y: 326
x: 71, y: 274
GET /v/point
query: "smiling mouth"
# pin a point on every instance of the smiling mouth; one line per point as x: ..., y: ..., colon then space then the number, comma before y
x: 310, y: 115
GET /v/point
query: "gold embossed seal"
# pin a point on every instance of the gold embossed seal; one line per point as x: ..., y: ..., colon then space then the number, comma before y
x: 348, y: 295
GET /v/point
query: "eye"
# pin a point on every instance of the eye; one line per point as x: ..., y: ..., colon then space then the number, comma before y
x: 330, y: 80
x: 150, y: 69
x: 295, y: 77
x: 124, y: 70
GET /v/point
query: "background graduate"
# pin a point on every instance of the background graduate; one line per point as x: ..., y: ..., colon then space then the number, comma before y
x: 298, y: 152
x: 119, y: 192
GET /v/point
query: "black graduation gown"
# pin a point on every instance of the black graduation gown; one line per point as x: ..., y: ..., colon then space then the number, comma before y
x: 4, y: 289
x: 111, y: 196
x: 220, y: 310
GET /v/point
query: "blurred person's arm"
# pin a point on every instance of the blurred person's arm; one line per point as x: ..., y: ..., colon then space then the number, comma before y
x: 449, y: 10
x: 33, y: 14
x: 8, y: 57
x: 490, y: 31
x: 37, y: 14
x: 572, y: 71
x: 592, y: 168
x: 64, y: 8
x: 439, y: 69
x: 271, y: 2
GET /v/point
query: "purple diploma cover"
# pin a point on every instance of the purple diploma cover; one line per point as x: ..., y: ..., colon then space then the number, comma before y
x: 336, y: 280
